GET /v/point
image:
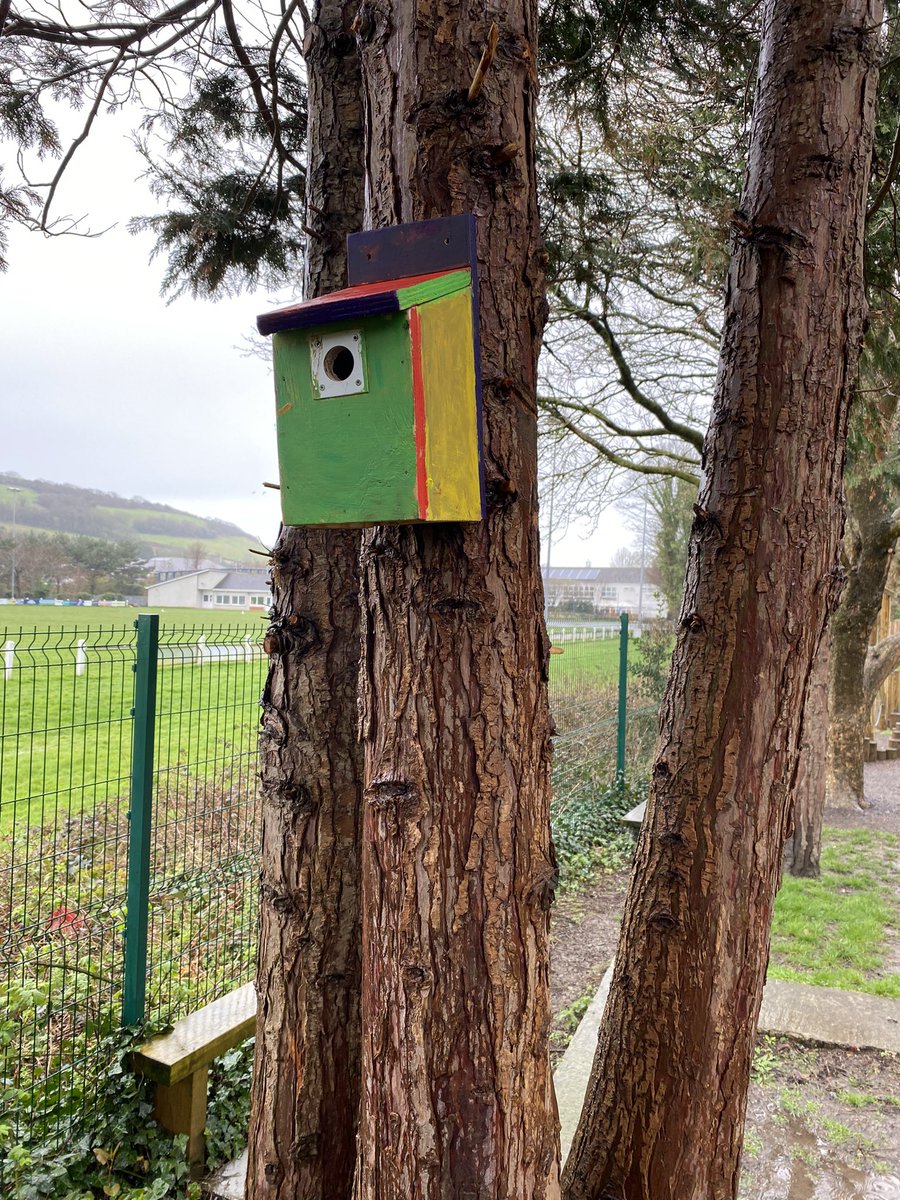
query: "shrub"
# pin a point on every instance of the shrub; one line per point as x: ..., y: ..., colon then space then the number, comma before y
x: 115, y: 1149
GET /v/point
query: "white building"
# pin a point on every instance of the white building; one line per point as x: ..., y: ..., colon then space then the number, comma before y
x: 608, y: 589
x: 220, y: 588
x: 167, y: 568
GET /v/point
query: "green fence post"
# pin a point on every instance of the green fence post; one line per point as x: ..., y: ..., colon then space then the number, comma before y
x: 623, y: 696
x: 140, y: 818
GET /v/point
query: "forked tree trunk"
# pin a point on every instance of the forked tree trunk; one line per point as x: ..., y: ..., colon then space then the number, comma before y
x: 664, y: 1113
x: 881, y: 660
x: 803, y: 848
x: 874, y: 533
x: 458, y: 871
x: 305, y: 1097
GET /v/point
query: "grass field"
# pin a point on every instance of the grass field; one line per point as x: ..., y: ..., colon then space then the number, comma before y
x: 585, y: 662
x: 65, y: 736
x: 23, y: 618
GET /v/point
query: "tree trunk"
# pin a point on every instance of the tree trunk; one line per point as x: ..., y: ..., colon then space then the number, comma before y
x: 302, y: 1143
x: 867, y: 547
x: 458, y: 870
x: 803, y: 847
x: 881, y: 660
x: 664, y: 1113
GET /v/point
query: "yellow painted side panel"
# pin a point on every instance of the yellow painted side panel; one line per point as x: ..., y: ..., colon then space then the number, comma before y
x: 451, y: 431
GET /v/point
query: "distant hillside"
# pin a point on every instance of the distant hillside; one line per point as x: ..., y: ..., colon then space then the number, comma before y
x: 157, y: 528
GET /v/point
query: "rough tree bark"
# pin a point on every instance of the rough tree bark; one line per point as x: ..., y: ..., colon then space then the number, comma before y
x: 458, y: 870
x: 302, y: 1143
x: 802, y: 850
x: 868, y: 547
x: 664, y: 1112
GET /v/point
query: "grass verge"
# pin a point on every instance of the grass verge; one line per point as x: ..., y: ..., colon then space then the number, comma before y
x: 837, y: 931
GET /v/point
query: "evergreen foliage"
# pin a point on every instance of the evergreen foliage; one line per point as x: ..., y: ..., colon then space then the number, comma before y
x: 223, y: 106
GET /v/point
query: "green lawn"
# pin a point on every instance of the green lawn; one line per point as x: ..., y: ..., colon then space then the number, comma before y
x: 585, y: 662
x: 65, y: 738
x: 26, y: 617
x: 835, y: 931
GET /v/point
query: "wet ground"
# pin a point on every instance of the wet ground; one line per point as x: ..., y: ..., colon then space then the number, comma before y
x: 822, y: 1123
x: 882, y: 793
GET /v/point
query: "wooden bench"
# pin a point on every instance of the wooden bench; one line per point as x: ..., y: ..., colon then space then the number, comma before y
x: 178, y: 1063
x: 634, y: 819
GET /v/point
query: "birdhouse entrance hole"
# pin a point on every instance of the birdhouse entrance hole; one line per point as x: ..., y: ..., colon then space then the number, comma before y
x: 337, y: 361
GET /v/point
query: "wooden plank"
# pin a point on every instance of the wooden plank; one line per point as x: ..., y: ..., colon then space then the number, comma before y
x: 348, y: 460
x: 415, y: 333
x: 442, y: 244
x: 298, y: 316
x: 452, y: 447
x: 181, y: 1108
x: 434, y: 287
x: 198, y: 1038
x: 635, y: 818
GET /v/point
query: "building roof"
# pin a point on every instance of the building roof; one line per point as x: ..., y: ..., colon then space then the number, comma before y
x: 623, y: 575
x: 187, y: 575
x: 185, y: 565
x: 581, y: 574
x: 242, y: 581
x: 364, y: 300
x: 249, y: 577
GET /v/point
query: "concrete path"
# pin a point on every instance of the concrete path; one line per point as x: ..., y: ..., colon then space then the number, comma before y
x: 571, y: 1075
x: 831, y: 1017
x: 811, y: 1014
x: 229, y: 1182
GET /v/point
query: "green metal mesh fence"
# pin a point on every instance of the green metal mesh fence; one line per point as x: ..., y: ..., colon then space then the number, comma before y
x: 584, y: 696
x: 205, y: 844
x: 65, y: 701
x: 66, y: 732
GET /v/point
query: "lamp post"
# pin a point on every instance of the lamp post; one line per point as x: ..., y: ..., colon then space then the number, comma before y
x: 643, y: 560
x: 12, y: 571
x: 550, y: 536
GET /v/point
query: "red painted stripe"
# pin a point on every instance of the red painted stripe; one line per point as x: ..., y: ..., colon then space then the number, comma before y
x: 415, y: 330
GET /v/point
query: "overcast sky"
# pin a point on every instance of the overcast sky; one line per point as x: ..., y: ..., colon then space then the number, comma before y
x: 104, y: 385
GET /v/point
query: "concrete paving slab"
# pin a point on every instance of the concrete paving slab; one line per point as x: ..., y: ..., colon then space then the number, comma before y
x: 573, y: 1071
x: 230, y: 1181
x: 831, y: 1017
x: 797, y: 1010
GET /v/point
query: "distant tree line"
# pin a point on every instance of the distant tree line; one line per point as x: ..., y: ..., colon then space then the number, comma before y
x: 68, y: 566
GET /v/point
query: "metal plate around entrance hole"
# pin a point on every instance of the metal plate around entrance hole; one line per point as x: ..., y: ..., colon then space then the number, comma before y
x: 338, y: 363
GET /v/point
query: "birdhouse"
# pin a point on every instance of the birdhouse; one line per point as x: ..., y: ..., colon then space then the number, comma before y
x: 377, y: 401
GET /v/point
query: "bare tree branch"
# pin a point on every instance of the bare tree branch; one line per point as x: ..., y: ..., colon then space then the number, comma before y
x: 601, y: 327
x: 619, y: 460
x: 881, y: 660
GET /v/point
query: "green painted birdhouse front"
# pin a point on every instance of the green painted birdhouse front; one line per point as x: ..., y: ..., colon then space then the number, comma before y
x: 377, y: 404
